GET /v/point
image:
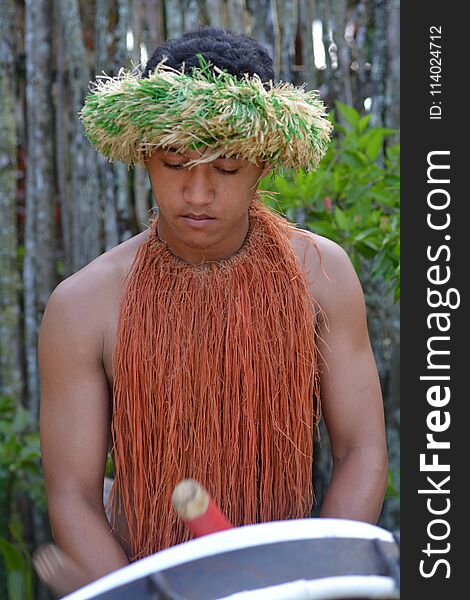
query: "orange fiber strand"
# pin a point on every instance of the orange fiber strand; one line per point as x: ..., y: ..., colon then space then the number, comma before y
x: 215, y: 379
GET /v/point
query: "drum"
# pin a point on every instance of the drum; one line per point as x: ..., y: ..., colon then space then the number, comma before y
x: 309, y: 559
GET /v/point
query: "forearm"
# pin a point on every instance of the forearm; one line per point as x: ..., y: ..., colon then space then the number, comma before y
x: 357, y: 487
x: 83, y: 532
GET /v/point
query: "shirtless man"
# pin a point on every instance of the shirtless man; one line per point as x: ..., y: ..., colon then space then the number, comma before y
x: 203, y: 218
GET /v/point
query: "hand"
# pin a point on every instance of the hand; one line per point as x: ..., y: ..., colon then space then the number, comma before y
x: 57, y: 570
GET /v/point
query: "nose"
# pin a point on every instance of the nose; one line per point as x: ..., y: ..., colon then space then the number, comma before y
x: 198, y: 189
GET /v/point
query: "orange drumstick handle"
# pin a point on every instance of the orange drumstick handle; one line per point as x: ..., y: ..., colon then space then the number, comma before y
x: 196, y: 508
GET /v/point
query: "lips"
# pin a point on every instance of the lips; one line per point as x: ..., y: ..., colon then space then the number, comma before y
x: 198, y: 221
x: 198, y: 217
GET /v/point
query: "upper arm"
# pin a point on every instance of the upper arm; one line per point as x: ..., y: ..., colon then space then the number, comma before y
x: 350, y: 388
x: 74, y: 415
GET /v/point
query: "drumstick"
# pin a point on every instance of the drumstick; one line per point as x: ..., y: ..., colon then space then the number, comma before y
x: 56, y: 569
x: 196, y: 508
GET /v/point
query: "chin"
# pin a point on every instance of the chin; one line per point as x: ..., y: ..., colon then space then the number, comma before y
x: 199, y: 244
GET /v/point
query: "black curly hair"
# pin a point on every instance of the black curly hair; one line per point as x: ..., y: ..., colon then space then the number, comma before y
x: 237, y: 53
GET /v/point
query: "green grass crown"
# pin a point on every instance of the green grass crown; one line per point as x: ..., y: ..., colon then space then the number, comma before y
x: 213, y: 112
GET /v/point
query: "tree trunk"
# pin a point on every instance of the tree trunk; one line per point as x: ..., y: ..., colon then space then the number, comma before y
x: 121, y: 172
x: 383, y: 319
x: 262, y: 23
x: 101, y: 35
x: 60, y: 97
x: 85, y: 190
x: 392, y: 115
x: 341, y: 76
x: 362, y: 87
x: 330, y: 50
x: 174, y: 18
x: 10, y: 364
x: 121, y: 54
x: 190, y: 14
x: 105, y: 169
x: 39, y: 263
x: 237, y: 19
x: 215, y: 13
x: 308, y: 73
x: 40, y: 237
x: 379, y: 63
x: 277, y: 48
x: 152, y: 13
x: 155, y: 23
x: 392, y: 419
x: 288, y: 21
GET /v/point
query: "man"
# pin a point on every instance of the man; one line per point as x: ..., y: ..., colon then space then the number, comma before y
x: 202, y: 347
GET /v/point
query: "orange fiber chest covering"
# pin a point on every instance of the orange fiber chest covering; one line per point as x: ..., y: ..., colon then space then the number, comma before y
x: 215, y: 379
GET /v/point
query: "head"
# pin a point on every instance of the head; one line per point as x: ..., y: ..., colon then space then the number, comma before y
x: 220, y: 189
x: 206, y: 137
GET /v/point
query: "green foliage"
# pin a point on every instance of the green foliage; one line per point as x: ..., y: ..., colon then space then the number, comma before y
x: 19, y: 454
x: 109, y: 469
x: 20, y: 472
x: 19, y: 570
x: 393, y: 485
x: 353, y: 198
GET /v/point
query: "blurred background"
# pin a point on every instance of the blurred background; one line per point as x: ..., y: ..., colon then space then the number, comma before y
x: 61, y: 204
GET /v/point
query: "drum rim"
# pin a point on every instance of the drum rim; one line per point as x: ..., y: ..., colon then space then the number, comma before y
x: 327, y: 588
x: 237, y: 538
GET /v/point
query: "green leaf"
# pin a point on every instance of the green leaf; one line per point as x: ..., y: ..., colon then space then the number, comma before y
x: 374, y: 145
x: 396, y: 292
x: 365, y: 233
x: 393, y: 490
x: 356, y: 262
x: 363, y: 139
x: 32, y: 440
x: 16, y: 529
x: 109, y: 471
x: 18, y: 563
x: 12, y: 556
x: 21, y: 421
x: 393, y: 152
x: 325, y: 228
x: 349, y: 114
x: 16, y: 584
x: 355, y: 159
x: 6, y: 405
x: 363, y: 123
x: 341, y: 219
x: 365, y: 249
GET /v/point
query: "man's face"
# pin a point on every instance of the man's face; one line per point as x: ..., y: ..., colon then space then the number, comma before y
x: 203, y: 209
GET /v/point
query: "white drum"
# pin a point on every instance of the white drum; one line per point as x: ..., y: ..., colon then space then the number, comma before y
x: 309, y: 559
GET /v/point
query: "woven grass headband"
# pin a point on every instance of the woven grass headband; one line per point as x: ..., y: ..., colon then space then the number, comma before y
x: 126, y: 117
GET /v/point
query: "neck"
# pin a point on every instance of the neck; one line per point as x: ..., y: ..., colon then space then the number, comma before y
x: 196, y: 253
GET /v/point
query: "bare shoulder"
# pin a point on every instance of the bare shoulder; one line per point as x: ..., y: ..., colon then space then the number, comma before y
x: 81, y: 305
x: 330, y: 274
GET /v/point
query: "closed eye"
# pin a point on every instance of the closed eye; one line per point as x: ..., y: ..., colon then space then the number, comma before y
x: 226, y: 172
x: 170, y: 166
x: 183, y: 165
